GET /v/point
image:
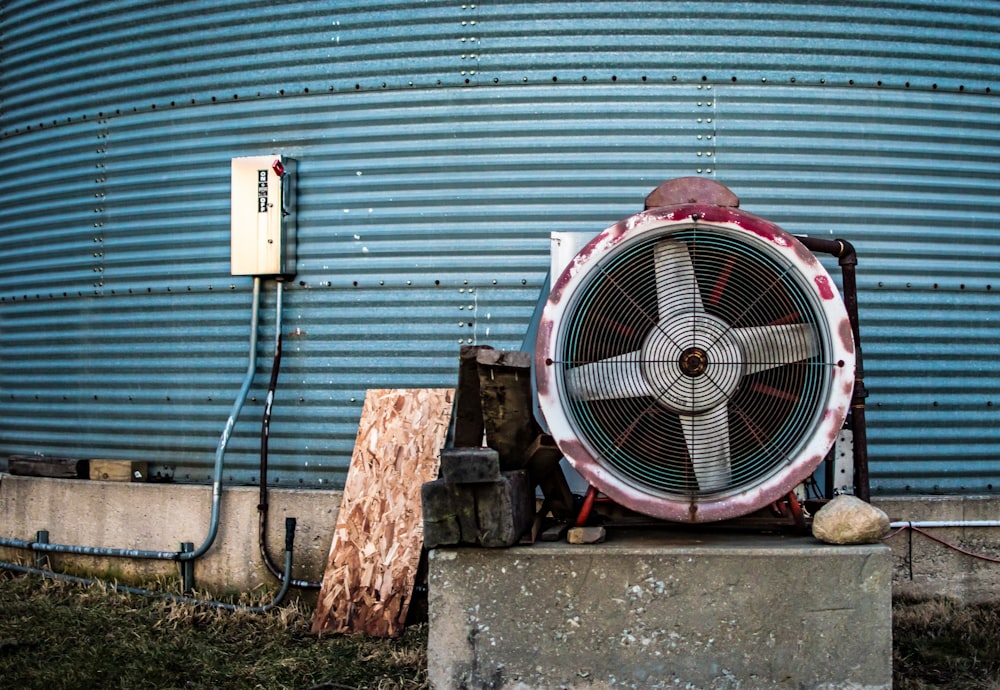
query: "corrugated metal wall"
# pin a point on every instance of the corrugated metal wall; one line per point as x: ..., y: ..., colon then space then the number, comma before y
x: 439, y: 145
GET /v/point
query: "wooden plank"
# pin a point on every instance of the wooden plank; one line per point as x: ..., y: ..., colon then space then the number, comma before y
x: 468, y: 407
x: 47, y: 466
x: 118, y: 470
x: 377, y: 542
x: 508, y: 414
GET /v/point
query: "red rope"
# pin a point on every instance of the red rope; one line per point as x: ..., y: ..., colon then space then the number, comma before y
x: 954, y: 547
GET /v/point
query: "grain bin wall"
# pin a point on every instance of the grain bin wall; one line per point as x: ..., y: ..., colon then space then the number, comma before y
x: 439, y: 143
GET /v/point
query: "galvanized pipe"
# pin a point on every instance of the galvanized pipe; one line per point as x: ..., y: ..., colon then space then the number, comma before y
x: 847, y: 257
x: 263, y: 608
x: 220, y: 452
x: 926, y: 524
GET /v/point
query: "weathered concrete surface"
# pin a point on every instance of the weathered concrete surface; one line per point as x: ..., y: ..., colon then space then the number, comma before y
x: 160, y: 517
x: 924, y: 568
x: 662, y: 609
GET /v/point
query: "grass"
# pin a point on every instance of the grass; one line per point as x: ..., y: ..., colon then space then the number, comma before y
x: 59, y: 635
x: 938, y: 643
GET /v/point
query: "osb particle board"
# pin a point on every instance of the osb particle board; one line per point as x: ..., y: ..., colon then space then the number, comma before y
x: 379, y: 534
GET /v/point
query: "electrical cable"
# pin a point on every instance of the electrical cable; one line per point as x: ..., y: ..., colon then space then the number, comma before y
x: 265, y: 432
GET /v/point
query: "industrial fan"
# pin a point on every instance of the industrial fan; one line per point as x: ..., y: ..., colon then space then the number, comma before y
x: 694, y: 362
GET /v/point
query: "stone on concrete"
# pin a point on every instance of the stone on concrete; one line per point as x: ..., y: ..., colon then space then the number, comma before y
x: 849, y: 520
x: 662, y: 609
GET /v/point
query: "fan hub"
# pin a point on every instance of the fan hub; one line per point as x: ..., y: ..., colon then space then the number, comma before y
x: 693, y: 361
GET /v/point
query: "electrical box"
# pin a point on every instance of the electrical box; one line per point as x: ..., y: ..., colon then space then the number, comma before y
x: 263, y: 216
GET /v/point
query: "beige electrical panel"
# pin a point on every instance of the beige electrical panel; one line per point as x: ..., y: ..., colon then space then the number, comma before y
x: 263, y: 216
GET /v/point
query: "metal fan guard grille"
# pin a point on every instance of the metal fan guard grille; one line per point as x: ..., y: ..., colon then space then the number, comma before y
x: 694, y: 362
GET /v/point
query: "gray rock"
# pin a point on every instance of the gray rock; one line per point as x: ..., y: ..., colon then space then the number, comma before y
x: 849, y: 520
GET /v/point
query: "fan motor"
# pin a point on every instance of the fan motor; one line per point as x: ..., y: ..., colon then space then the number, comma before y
x: 694, y: 362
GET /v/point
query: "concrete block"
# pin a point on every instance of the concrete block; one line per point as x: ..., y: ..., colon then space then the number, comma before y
x: 470, y: 465
x: 662, y: 609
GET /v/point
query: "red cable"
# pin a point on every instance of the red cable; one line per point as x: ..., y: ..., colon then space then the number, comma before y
x: 930, y: 536
x: 588, y: 505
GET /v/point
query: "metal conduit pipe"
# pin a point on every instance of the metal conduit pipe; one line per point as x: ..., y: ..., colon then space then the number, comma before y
x: 265, y: 431
x: 263, y: 608
x: 847, y: 258
x: 220, y: 452
x: 925, y: 524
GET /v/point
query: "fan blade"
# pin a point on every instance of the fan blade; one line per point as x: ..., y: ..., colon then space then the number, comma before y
x: 609, y: 379
x: 707, y: 439
x: 676, y: 285
x: 767, y: 347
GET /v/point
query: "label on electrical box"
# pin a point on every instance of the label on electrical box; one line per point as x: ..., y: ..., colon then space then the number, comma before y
x: 262, y: 191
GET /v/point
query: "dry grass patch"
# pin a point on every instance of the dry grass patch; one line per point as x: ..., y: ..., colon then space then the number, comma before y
x: 58, y: 635
x: 939, y: 643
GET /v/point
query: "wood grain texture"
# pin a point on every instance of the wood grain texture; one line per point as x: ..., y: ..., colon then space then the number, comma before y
x: 376, y: 546
x: 118, y: 470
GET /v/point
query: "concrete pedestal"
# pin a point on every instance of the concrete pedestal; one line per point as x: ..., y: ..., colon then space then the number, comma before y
x: 662, y: 609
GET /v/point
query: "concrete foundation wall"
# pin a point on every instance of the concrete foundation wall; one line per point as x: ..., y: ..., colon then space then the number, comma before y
x: 662, y: 609
x: 923, y: 567
x: 160, y: 517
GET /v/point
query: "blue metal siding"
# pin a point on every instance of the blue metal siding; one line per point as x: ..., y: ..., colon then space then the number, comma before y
x: 944, y: 44
x: 910, y: 179
x: 50, y: 231
x: 435, y: 157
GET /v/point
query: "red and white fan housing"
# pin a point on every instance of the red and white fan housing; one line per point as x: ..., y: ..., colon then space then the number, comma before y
x: 694, y: 362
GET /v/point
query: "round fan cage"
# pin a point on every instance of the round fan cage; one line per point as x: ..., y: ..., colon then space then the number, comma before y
x: 695, y: 370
